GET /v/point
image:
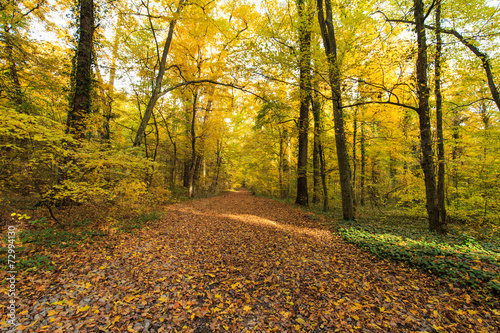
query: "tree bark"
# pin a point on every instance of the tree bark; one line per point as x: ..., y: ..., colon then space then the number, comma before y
x: 362, y: 143
x: 192, y: 163
x: 156, y: 91
x: 439, y: 116
x: 81, y: 102
x: 305, y: 98
x: 354, y: 162
x: 316, y: 109
x: 435, y: 223
x: 329, y: 42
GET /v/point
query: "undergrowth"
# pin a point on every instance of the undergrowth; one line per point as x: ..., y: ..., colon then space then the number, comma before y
x: 459, y: 257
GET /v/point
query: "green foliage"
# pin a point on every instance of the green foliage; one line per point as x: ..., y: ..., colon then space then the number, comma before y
x: 459, y: 257
x: 36, y: 262
x: 52, y: 237
x: 138, y: 222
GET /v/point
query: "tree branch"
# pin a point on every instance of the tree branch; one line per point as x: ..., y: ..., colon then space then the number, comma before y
x: 381, y: 102
x: 231, y: 85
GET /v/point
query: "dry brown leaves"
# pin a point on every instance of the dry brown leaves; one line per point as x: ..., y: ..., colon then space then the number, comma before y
x: 238, y: 263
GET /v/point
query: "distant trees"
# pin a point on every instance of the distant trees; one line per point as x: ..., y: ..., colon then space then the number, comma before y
x: 191, y: 97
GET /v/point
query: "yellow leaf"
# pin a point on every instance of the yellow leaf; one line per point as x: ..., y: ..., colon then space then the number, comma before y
x: 247, y: 308
x: 88, y: 285
x: 218, y: 296
x: 355, y: 318
x: 235, y: 285
x: 23, y: 312
x: 163, y: 299
x: 193, y: 315
x: 52, y: 313
x: 479, y: 320
x: 300, y: 321
x: 129, y: 298
x: 225, y: 327
x: 116, y: 319
x: 286, y: 314
x: 83, y: 308
x: 471, y: 312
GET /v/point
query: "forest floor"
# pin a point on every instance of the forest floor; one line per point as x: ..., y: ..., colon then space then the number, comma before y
x: 238, y: 263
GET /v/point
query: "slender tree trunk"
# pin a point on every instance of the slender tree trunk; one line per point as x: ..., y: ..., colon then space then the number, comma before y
x: 354, y: 162
x: 305, y: 98
x: 218, y: 163
x: 329, y: 42
x: 156, y: 91
x: 81, y: 101
x: 439, y: 116
x: 362, y: 143
x: 281, y: 165
x: 323, y: 176
x: 192, y: 164
x: 316, y: 108
x: 435, y: 222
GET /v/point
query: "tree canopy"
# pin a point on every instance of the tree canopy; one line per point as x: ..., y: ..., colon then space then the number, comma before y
x: 351, y: 103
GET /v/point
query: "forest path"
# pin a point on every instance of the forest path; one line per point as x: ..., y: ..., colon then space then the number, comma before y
x: 240, y: 263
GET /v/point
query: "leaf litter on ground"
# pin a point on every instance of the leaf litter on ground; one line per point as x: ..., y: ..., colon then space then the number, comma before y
x: 238, y: 263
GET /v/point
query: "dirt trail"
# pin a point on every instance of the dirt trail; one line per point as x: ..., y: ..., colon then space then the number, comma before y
x: 239, y: 263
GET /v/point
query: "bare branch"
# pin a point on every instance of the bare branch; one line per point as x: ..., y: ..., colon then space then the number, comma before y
x: 381, y: 102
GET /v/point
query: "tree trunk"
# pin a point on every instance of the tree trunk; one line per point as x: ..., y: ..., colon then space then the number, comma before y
x: 192, y: 163
x: 305, y: 98
x: 17, y: 96
x: 362, y: 143
x: 435, y: 222
x: 329, y: 42
x: 323, y: 176
x: 316, y: 108
x: 439, y: 117
x: 281, y: 165
x: 81, y: 102
x: 156, y: 91
x: 354, y: 162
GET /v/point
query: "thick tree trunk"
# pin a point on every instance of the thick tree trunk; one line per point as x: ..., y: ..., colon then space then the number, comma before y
x: 435, y: 222
x: 305, y: 98
x: 17, y: 95
x: 329, y: 42
x: 439, y: 116
x: 156, y: 91
x: 81, y: 102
